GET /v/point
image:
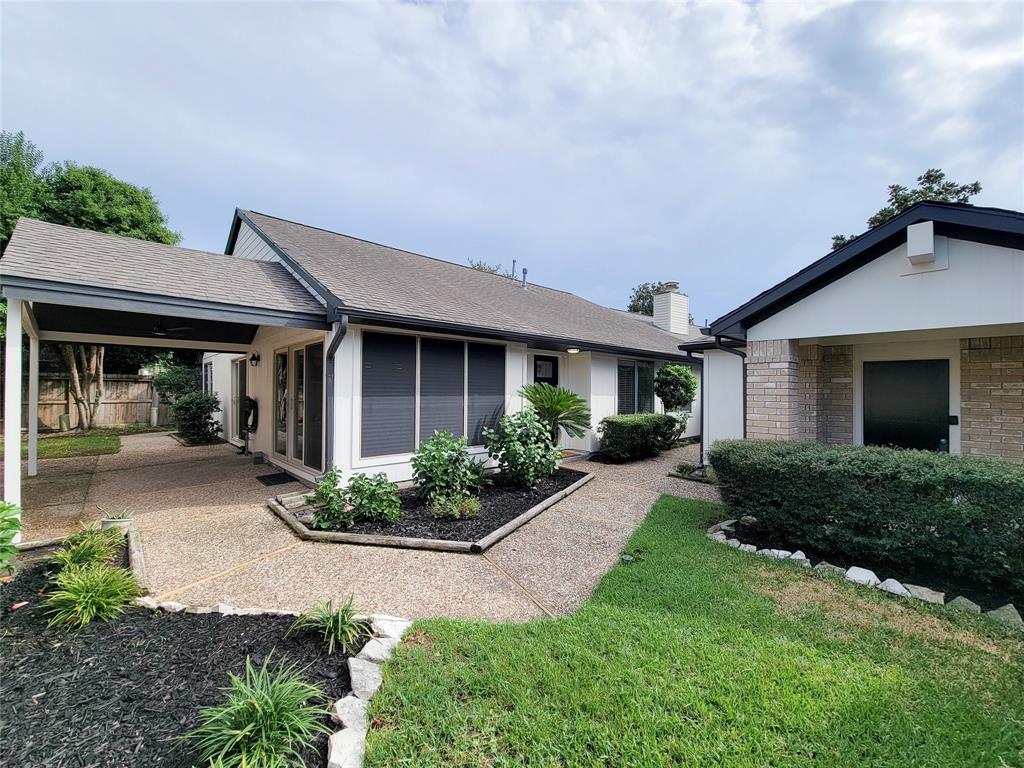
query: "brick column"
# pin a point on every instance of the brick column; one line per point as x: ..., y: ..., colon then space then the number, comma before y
x: 810, y: 375
x: 992, y: 397
x: 836, y: 419
x: 773, y: 390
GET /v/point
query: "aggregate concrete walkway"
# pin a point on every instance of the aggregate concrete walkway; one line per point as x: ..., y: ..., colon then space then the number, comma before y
x: 208, y: 537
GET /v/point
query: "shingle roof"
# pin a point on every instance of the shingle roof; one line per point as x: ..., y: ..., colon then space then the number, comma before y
x: 44, y: 251
x: 380, y: 279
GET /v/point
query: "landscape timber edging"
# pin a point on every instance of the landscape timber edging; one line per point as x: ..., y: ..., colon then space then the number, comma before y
x: 407, y: 542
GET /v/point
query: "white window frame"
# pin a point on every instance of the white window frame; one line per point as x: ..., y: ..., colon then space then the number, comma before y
x: 286, y: 457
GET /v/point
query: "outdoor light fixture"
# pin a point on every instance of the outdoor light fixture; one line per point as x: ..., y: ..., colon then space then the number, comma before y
x: 573, y: 350
x: 254, y: 359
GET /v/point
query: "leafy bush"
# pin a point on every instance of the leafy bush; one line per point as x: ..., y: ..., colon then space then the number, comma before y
x: 339, y: 626
x: 367, y: 498
x: 559, y: 408
x: 456, y: 507
x: 522, y: 447
x: 676, y: 385
x: 443, y: 469
x: 917, y: 508
x: 373, y: 498
x: 10, y: 526
x: 176, y: 381
x: 637, y: 435
x: 267, y: 718
x: 87, y: 592
x: 193, y: 416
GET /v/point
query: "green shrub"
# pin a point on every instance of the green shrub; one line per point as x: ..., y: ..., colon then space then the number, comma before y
x: 916, y: 508
x: 444, y: 470
x: 365, y: 498
x: 176, y: 381
x: 637, y: 435
x: 522, y: 447
x: 456, y: 507
x: 339, y: 626
x: 87, y: 592
x: 193, y: 417
x: 559, y: 408
x: 266, y: 720
x: 373, y: 498
x: 676, y: 386
x: 10, y: 526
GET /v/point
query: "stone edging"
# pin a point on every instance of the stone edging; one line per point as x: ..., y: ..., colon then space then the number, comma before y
x: 1006, y: 615
x: 345, y: 747
x: 441, y: 545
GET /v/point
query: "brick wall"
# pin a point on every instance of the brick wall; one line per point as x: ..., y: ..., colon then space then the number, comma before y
x: 992, y: 397
x: 836, y: 422
x: 772, y: 390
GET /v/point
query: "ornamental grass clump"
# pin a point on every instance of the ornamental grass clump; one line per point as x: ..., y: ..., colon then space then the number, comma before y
x: 268, y: 716
x: 522, y: 447
x: 340, y: 628
x: 88, y: 546
x: 88, y: 592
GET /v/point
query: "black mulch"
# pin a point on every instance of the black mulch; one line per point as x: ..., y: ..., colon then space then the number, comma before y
x: 499, y: 503
x: 937, y: 578
x: 116, y: 694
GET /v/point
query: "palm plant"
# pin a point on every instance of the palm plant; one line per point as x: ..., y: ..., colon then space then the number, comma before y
x: 559, y: 408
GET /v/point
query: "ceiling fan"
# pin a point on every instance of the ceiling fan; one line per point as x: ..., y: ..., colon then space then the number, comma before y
x: 162, y: 330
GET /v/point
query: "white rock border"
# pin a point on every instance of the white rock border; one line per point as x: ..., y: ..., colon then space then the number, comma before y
x: 345, y: 747
x: 1007, y: 615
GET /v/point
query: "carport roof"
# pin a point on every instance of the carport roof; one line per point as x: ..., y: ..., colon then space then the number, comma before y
x: 68, y: 262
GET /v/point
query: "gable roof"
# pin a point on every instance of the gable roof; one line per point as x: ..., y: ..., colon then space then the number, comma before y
x: 68, y: 260
x: 996, y: 226
x: 377, y: 283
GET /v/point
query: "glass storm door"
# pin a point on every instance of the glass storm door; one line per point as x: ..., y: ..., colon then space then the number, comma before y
x: 298, y: 404
x: 238, y: 393
x: 906, y: 404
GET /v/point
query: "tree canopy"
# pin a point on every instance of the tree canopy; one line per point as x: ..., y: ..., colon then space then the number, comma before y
x: 642, y: 298
x: 931, y: 185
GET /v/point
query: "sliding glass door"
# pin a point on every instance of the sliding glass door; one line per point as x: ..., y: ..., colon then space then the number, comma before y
x: 238, y: 393
x: 298, y: 404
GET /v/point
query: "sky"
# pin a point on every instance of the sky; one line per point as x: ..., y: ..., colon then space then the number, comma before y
x: 720, y: 144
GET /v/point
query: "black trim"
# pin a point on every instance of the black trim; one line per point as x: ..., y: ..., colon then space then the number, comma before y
x: 993, y: 226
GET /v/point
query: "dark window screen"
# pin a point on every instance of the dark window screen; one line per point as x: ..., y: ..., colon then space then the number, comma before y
x: 627, y: 387
x: 645, y: 387
x: 389, y: 394
x: 486, y: 388
x: 442, y: 387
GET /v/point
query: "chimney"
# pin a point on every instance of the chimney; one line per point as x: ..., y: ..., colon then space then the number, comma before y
x: 672, y: 309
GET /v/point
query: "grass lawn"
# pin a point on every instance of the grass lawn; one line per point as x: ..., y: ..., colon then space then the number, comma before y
x: 64, y: 447
x: 699, y: 655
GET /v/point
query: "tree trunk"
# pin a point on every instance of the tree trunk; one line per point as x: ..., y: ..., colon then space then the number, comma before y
x: 85, y: 374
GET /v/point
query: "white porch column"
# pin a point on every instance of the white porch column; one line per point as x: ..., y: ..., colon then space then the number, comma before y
x: 12, y: 404
x: 33, y: 405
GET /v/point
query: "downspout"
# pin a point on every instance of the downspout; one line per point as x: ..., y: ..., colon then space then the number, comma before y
x: 340, y: 330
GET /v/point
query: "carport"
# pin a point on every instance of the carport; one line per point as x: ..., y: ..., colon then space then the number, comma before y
x: 70, y: 285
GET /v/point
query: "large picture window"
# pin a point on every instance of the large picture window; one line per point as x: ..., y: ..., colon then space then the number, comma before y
x: 635, y: 390
x: 460, y: 388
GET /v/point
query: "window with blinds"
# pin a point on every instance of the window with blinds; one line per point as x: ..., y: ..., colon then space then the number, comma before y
x: 635, y: 387
x: 461, y: 390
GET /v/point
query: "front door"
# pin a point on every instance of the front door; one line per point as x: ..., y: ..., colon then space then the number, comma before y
x: 906, y: 404
x: 298, y: 404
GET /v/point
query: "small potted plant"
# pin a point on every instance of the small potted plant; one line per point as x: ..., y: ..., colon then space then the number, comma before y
x: 121, y: 519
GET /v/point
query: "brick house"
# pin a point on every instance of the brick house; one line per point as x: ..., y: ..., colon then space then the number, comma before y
x: 911, y: 335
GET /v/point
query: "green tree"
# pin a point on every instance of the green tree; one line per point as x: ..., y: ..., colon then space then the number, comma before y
x: 932, y: 185
x: 641, y: 300
x: 676, y: 386
x: 494, y: 269
x: 22, y: 189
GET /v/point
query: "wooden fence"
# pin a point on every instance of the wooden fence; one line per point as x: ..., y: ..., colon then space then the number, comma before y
x: 127, y: 399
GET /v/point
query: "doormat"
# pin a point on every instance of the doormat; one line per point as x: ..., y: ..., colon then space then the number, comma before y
x: 278, y: 478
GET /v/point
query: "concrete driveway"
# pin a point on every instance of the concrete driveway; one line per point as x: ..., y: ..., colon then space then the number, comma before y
x: 208, y: 537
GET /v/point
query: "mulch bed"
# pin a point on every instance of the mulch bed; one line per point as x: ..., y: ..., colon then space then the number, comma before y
x: 116, y: 694
x: 499, y: 503
x: 933, y: 578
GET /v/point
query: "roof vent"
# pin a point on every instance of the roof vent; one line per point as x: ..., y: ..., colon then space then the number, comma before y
x: 921, y: 243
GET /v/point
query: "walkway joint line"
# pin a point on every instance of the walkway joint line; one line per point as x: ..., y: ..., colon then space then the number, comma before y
x: 225, y: 572
x: 524, y: 590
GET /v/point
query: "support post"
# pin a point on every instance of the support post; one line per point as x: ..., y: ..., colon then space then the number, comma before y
x: 12, y: 404
x: 33, y: 406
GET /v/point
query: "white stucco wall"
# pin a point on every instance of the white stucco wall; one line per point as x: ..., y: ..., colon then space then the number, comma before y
x: 723, y: 398
x: 970, y: 284
x: 222, y: 386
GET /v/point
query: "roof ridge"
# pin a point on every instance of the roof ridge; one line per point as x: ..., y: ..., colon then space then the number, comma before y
x: 411, y: 253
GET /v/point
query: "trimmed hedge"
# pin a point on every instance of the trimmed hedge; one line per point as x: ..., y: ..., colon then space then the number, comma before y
x: 637, y: 435
x: 884, y: 504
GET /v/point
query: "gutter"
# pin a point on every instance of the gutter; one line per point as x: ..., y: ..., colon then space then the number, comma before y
x: 340, y: 331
